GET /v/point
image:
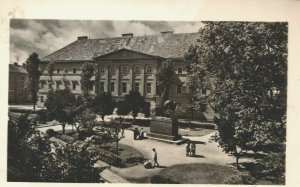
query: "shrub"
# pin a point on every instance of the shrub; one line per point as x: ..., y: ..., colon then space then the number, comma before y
x: 135, y: 159
x: 275, y: 162
x: 107, y: 157
x: 240, y: 178
x: 83, y: 134
x: 123, y: 108
x: 42, y: 116
x: 51, y: 132
x: 146, y: 109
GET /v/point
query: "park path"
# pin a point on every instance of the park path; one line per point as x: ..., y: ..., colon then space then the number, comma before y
x: 168, y: 154
x: 171, y: 154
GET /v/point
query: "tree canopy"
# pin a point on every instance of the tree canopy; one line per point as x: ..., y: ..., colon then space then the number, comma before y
x: 104, y: 104
x: 135, y: 102
x: 32, y: 66
x: 244, y: 65
x: 88, y: 70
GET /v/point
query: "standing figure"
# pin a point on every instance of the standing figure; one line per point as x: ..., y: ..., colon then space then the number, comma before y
x: 142, y: 134
x: 187, y: 148
x: 135, y: 133
x: 193, y: 149
x: 154, y: 158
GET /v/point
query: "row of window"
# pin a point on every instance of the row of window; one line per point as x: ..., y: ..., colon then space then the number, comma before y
x: 59, y: 85
x: 124, y: 69
x: 124, y: 87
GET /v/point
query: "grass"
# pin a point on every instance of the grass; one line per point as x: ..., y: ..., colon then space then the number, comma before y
x: 198, y: 173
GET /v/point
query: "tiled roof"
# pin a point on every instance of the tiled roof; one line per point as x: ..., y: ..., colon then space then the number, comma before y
x: 163, y: 45
x: 16, y: 69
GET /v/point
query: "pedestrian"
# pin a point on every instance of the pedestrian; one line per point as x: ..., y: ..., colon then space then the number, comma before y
x: 193, y: 149
x: 187, y: 148
x: 135, y: 133
x: 142, y: 134
x: 154, y: 158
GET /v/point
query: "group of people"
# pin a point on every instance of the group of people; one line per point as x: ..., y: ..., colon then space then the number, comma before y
x: 138, y: 135
x: 190, y: 148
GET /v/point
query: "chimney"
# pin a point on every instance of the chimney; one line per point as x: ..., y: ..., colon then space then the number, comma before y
x: 167, y: 32
x: 82, y: 38
x: 127, y: 35
x: 16, y: 63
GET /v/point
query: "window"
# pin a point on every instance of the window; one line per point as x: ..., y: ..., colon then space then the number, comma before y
x: 148, y: 69
x: 42, y: 84
x: 137, y: 87
x: 74, y: 83
x: 125, y: 69
x: 42, y: 98
x: 101, y: 69
x: 203, y: 91
x: 67, y: 84
x: 22, y: 78
x: 74, y: 70
x: 58, y: 70
x: 179, y: 70
x: 124, y: 87
x: 136, y: 69
x: 148, y: 88
x: 113, y: 69
x: 58, y: 83
x: 101, y: 87
x: 66, y: 71
x: 50, y: 85
x: 179, y: 89
x: 112, y: 87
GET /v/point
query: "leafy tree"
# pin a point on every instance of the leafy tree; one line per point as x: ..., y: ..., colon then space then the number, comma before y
x: 166, y: 76
x: 58, y: 105
x: 33, y: 158
x: 244, y: 65
x: 116, y: 129
x: 123, y: 108
x: 135, y: 102
x: 88, y: 70
x: 32, y: 66
x: 86, y: 119
x: 104, y: 104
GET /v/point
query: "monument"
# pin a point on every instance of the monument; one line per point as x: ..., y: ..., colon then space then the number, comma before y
x: 166, y: 128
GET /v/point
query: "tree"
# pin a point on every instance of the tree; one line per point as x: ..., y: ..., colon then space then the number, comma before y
x: 116, y: 129
x: 104, y: 104
x: 166, y: 76
x: 33, y: 158
x: 58, y: 105
x: 88, y: 70
x: 135, y: 102
x: 244, y: 65
x: 123, y: 108
x: 32, y: 66
x: 86, y: 119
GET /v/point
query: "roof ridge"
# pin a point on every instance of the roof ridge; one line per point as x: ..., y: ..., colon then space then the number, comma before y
x: 60, y: 49
x: 119, y: 37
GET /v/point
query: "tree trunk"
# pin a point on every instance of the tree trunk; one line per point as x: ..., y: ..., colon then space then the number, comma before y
x: 63, y: 128
x: 33, y: 105
x: 117, y: 142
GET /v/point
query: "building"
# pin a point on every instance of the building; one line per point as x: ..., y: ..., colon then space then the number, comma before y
x: 17, y: 77
x: 123, y: 64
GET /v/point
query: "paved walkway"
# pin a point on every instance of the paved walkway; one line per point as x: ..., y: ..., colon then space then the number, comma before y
x: 168, y: 155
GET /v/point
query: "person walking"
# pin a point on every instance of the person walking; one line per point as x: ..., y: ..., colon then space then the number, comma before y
x: 135, y: 133
x: 154, y: 158
x: 193, y: 149
x: 187, y: 148
x: 142, y: 134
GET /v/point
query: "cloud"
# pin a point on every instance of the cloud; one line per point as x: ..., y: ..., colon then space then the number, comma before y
x: 46, y: 36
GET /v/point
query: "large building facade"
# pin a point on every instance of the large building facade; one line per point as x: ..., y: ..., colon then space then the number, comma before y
x: 123, y: 64
x: 17, y: 93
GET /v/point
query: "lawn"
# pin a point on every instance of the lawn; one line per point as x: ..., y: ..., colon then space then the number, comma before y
x: 198, y: 173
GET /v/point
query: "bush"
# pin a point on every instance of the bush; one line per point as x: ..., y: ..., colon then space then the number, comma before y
x: 42, y: 116
x: 196, y: 125
x: 123, y: 108
x: 83, y: 134
x: 65, y: 138
x: 146, y: 109
x: 107, y: 157
x: 135, y: 159
x: 240, y: 178
x: 275, y: 162
x: 51, y: 132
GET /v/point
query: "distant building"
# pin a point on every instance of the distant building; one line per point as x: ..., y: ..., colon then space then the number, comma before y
x: 17, y: 78
x: 123, y: 64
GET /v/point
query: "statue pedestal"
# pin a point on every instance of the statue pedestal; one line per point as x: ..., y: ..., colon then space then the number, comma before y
x: 164, y: 129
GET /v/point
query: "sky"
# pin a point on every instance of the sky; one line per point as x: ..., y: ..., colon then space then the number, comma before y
x: 46, y: 36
